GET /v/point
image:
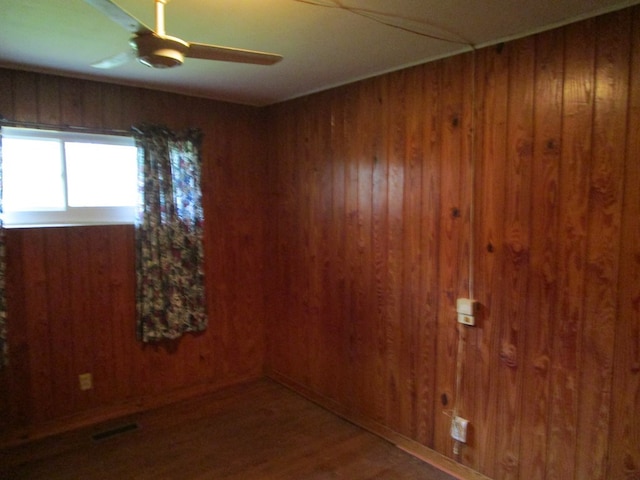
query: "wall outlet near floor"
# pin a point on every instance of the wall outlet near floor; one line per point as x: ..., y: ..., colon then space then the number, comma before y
x: 86, y: 381
x: 459, y: 429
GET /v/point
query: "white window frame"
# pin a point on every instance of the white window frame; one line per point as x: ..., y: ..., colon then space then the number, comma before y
x: 71, y: 215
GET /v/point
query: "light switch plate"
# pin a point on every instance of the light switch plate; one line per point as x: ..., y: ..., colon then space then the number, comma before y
x: 466, y: 306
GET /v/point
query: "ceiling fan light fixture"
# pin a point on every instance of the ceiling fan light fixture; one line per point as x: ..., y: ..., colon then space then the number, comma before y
x: 160, y: 52
x: 157, y: 50
x: 162, y: 58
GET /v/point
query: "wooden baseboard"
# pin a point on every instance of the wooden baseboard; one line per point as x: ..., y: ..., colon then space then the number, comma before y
x: 21, y: 435
x: 410, y: 446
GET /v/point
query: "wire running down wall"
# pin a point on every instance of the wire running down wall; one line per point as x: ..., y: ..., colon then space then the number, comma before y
x: 371, y: 212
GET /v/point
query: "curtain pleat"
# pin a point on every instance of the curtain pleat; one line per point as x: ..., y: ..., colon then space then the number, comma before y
x: 169, y: 229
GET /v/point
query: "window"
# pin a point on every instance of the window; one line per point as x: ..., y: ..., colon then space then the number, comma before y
x: 67, y: 178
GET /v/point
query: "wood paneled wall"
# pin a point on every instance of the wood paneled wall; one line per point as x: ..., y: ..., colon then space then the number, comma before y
x: 71, y: 290
x: 510, y: 174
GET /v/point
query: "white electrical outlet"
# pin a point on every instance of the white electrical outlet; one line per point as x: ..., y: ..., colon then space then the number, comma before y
x: 86, y: 381
x: 466, y: 319
x: 459, y: 429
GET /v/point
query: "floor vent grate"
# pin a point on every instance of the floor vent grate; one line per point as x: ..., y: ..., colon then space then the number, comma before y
x: 112, y: 432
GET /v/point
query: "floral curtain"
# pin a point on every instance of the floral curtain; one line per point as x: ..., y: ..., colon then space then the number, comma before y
x: 4, y: 348
x: 169, y: 250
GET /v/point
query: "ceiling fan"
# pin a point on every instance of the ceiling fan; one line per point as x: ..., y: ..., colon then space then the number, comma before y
x: 156, y: 49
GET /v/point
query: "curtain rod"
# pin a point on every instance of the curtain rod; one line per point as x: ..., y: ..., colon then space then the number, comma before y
x: 64, y: 128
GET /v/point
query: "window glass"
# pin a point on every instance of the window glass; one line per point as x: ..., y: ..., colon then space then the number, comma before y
x: 60, y: 178
x: 32, y: 172
x: 101, y: 175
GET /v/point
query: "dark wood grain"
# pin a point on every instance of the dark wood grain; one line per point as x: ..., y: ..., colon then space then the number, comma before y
x: 546, y: 160
x: 625, y: 421
x: 71, y: 290
x: 490, y: 176
x: 258, y: 430
x: 516, y: 270
x: 543, y: 282
x: 339, y: 234
x: 602, y: 255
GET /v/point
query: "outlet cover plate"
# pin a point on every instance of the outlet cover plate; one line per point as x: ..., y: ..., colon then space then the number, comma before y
x: 459, y: 429
x: 86, y: 381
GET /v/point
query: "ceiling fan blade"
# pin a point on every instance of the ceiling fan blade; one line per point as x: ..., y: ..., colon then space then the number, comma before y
x: 227, y: 54
x: 121, y: 17
x: 115, y: 60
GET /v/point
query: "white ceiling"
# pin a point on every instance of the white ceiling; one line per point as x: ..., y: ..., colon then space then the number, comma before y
x: 322, y: 45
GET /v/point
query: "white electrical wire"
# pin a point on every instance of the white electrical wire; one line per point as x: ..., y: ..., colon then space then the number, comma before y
x: 461, y: 328
x: 392, y: 20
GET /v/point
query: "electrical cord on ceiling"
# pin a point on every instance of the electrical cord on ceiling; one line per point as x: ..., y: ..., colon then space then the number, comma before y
x: 379, y: 17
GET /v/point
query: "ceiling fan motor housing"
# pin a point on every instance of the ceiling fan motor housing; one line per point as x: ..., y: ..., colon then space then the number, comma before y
x: 160, y: 52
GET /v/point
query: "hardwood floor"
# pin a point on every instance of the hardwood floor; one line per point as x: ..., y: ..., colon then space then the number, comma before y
x: 254, y: 431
